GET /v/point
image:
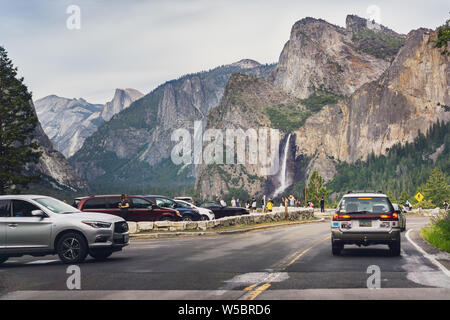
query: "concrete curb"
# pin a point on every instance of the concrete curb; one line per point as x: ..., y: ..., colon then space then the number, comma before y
x: 144, y: 236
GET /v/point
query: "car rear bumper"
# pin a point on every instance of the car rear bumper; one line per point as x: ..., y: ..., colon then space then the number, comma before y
x: 384, y: 237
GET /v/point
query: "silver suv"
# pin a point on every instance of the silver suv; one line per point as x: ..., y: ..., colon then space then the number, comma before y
x: 40, y: 225
x: 365, y: 219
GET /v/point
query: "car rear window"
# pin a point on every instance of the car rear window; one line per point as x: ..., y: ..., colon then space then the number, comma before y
x: 365, y: 205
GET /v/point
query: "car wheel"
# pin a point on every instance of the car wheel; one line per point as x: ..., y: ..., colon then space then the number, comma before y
x: 100, y: 254
x: 187, y: 218
x: 72, y: 248
x: 3, y: 259
x: 336, y: 247
x: 166, y: 219
x: 204, y: 218
x: 395, y: 248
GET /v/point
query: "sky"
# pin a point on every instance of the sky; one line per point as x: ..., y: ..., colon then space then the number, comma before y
x: 141, y: 44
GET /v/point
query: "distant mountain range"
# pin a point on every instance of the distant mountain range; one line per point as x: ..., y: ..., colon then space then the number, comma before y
x: 68, y: 122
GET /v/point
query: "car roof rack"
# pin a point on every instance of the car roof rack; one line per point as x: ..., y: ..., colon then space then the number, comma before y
x: 364, y: 191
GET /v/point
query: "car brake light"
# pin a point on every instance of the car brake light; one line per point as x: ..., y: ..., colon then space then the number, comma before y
x: 335, y: 217
x: 395, y: 216
x: 385, y: 216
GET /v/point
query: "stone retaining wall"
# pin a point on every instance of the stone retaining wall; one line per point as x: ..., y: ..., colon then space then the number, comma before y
x: 294, y: 215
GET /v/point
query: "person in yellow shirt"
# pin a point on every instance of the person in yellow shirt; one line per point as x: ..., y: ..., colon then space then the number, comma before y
x: 269, y: 205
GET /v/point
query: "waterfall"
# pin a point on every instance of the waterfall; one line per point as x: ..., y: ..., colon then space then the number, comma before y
x: 283, y: 171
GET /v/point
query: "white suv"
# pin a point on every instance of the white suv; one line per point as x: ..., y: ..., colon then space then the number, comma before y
x: 39, y: 225
x: 365, y: 219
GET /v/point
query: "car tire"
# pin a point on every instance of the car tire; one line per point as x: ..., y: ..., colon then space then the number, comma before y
x: 187, y: 218
x: 166, y: 219
x: 3, y: 259
x: 72, y: 248
x: 204, y: 218
x: 395, y: 248
x: 101, y: 254
x: 336, y: 248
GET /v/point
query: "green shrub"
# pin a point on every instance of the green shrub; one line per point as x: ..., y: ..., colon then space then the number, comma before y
x: 438, y: 234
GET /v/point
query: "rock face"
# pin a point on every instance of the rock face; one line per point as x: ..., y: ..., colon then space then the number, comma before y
x: 136, y: 144
x: 408, y: 97
x: 122, y: 100
x: 321, y: 56
x: 68, y: 122
x: 248, y: 103
x: 54, y: 167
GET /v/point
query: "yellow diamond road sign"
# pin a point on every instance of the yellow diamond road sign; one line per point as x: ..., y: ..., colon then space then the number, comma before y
x: 419, y: 197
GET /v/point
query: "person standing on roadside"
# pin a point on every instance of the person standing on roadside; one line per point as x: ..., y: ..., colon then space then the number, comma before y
x: 445, y: 204
x: 233, y: 202
x: 254, y: 204
x: 223, y: 203
x: 269, y: 205
x: 238, y: 203
x: 124, y: 204
x: 322, y: 205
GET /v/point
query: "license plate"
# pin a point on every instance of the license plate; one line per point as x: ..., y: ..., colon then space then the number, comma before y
x: 365, y: 223
x: 126, y: 238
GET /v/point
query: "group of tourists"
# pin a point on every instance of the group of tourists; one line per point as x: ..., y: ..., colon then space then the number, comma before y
x: 268, y: 204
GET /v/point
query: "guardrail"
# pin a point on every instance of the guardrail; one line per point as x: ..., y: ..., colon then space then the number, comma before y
x: 293, y: 215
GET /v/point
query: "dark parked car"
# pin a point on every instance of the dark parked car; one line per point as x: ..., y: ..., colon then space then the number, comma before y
x: 141, y: 209
x: 221, y: 211
x: 187, y: 213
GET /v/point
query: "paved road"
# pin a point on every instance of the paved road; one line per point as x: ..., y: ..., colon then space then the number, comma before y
x: 292, y: 262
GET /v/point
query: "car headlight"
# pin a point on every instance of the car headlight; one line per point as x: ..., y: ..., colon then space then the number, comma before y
x: 98, y: 224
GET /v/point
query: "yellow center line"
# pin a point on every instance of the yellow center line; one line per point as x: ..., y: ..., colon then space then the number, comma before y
x: 254, y: 292
x: 252, y: 295
x: 250, y: 287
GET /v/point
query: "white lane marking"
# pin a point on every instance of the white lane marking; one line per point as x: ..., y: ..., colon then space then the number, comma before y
x: 426, y: 255
x: 41, y: 261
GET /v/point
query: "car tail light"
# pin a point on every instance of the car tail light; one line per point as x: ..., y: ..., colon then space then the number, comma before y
x: 394, y: 216
x: 342, y: 217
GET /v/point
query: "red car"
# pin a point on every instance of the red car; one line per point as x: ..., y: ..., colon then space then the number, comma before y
x: 140, y: 209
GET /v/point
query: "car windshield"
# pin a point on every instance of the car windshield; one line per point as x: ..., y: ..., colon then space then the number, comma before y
x: 56, y: 206
x: 365, y: 205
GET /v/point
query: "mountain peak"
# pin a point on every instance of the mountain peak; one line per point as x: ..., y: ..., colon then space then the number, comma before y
x: 246, y: 64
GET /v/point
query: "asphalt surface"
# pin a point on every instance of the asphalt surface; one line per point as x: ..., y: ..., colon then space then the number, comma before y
x: 293, y: 262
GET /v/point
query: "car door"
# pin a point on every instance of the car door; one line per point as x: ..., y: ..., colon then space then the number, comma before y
x: 26, y: 231
x: 5, y: 215
x: 218, y: 210
x: 141, y: 210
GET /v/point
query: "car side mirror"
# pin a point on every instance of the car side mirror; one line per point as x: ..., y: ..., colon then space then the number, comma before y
x: 154, y: 206
x: 38, y: 213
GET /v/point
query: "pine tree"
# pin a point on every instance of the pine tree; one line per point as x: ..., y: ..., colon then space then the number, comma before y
x: 391, y: 195
x: 316, y: 188
x: 443, y: 37
x: 17, y: 126
x: 403, y: 197
x: 436, y: 188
